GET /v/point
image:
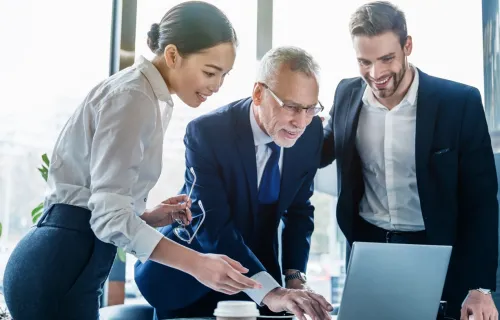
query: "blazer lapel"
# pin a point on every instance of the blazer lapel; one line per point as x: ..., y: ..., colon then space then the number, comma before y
x: 351, y: 122
x: 246, y: 148
x: 427, y: 106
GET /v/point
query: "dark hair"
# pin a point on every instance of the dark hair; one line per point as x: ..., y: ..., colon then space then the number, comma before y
x: 378, y: 17
x: 191, y: 26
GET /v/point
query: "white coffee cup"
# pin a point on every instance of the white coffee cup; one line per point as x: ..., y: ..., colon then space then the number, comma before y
x: 236, y: 310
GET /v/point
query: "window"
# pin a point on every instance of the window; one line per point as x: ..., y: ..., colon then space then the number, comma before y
x: 49, y: 63
x: 444, y: 46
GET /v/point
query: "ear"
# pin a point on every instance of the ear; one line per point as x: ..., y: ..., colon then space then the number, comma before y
x: 257, y: 94
x: 172, y: 57
x: 408, y: 46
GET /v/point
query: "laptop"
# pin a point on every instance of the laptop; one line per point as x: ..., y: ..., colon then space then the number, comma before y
x: 387, y: 281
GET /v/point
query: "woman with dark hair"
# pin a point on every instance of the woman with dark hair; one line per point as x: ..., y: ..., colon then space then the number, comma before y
x: 105, y: 161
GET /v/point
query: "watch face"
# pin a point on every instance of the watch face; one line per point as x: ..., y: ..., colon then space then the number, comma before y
x: 303, y: 277
x: 484, y: 291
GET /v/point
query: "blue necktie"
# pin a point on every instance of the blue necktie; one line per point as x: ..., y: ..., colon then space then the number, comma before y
x: 269, y: 189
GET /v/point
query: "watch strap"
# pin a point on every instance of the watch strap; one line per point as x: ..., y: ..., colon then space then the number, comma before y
x: 295, y: 275
x: 483, y: 291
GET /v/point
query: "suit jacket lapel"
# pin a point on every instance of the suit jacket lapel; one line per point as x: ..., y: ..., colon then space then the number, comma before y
x: 427, y: 106
x: 246, y: 149
x: 351, y: 122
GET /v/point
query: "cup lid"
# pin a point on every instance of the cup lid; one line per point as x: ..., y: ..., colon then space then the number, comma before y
x: 236, y: 309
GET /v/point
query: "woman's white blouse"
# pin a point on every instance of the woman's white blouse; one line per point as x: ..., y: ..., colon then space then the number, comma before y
x: 109, y: 156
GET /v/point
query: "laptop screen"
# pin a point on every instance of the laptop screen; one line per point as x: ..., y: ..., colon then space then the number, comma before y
x: 394, y: 281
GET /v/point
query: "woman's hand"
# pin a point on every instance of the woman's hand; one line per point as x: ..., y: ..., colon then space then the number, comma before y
x: 218, y: 272
x: 223, y: 274
x: 169, y: 211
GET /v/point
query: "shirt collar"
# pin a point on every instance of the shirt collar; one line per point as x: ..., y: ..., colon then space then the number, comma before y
x: 155, y: 79
x: 410, y: 97
x: 259, y: 136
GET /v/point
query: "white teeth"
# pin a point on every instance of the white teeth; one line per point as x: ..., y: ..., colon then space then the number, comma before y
x: 382, y: 82
x: 203, y: 96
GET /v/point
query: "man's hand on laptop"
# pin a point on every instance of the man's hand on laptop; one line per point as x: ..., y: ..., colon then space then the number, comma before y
x: 298, y: 302
x: 480, y: 306
x: 297, y: 284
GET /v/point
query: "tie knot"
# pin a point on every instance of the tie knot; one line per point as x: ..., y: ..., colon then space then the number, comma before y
x: 274, y: 147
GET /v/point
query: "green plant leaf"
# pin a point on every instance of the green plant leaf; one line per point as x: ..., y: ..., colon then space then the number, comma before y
x: 44, y: 171
x: 1, y: 229
x: 38, y: 213
x: 36, y: 217
x: 45, y: 159
x: 37, y: 209
x: 121, y: 254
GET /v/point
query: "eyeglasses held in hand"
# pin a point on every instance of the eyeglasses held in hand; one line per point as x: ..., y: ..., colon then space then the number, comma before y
x: 181, y: 231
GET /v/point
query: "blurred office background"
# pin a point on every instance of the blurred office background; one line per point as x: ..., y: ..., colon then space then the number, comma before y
x: 52, y: 53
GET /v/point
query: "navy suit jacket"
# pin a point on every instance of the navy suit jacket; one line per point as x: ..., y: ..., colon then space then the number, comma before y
x: 221, y: 149
x: 455, y: 170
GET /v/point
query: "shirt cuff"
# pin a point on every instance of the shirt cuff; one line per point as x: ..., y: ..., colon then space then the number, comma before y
x: 268, y: 283
x: 145, y: 241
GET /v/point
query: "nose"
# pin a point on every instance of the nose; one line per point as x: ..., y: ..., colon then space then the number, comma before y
x: 375, y: 71
x: 301, y: 120
x: 216, y: 84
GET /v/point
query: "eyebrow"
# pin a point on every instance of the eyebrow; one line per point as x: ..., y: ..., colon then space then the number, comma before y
x: 387, y: 55
x: 295, y: 104
x: 379, y: 58
x: 214, y: 66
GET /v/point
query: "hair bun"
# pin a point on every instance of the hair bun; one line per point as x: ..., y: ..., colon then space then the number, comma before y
x: 153, y: 37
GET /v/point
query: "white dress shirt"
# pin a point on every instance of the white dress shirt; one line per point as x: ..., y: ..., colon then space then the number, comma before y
x: 385, y: 141
x: 262, y: 153
x: 109, y: 156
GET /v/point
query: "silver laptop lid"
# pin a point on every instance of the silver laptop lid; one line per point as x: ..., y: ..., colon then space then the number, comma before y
x: 394, y: 281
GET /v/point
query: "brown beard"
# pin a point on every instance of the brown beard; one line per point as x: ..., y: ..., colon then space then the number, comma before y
x: 397, y: 78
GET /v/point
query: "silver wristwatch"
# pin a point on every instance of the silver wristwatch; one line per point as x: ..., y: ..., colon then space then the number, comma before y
x: 296, y: 275
x: 483, y: 291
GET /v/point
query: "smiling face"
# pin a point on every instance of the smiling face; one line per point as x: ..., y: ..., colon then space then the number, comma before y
x: 383, y: 64
x: 197, y: 76
x: 293, y: 89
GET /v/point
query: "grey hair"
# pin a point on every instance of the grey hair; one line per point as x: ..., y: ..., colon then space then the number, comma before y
x: 296, y: 58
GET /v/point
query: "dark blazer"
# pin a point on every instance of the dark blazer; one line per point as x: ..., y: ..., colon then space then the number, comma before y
x: 455, y: 171
x: 220, y: 147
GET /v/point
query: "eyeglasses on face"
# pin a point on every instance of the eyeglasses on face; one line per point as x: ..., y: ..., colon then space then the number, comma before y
x: 295, y: 109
